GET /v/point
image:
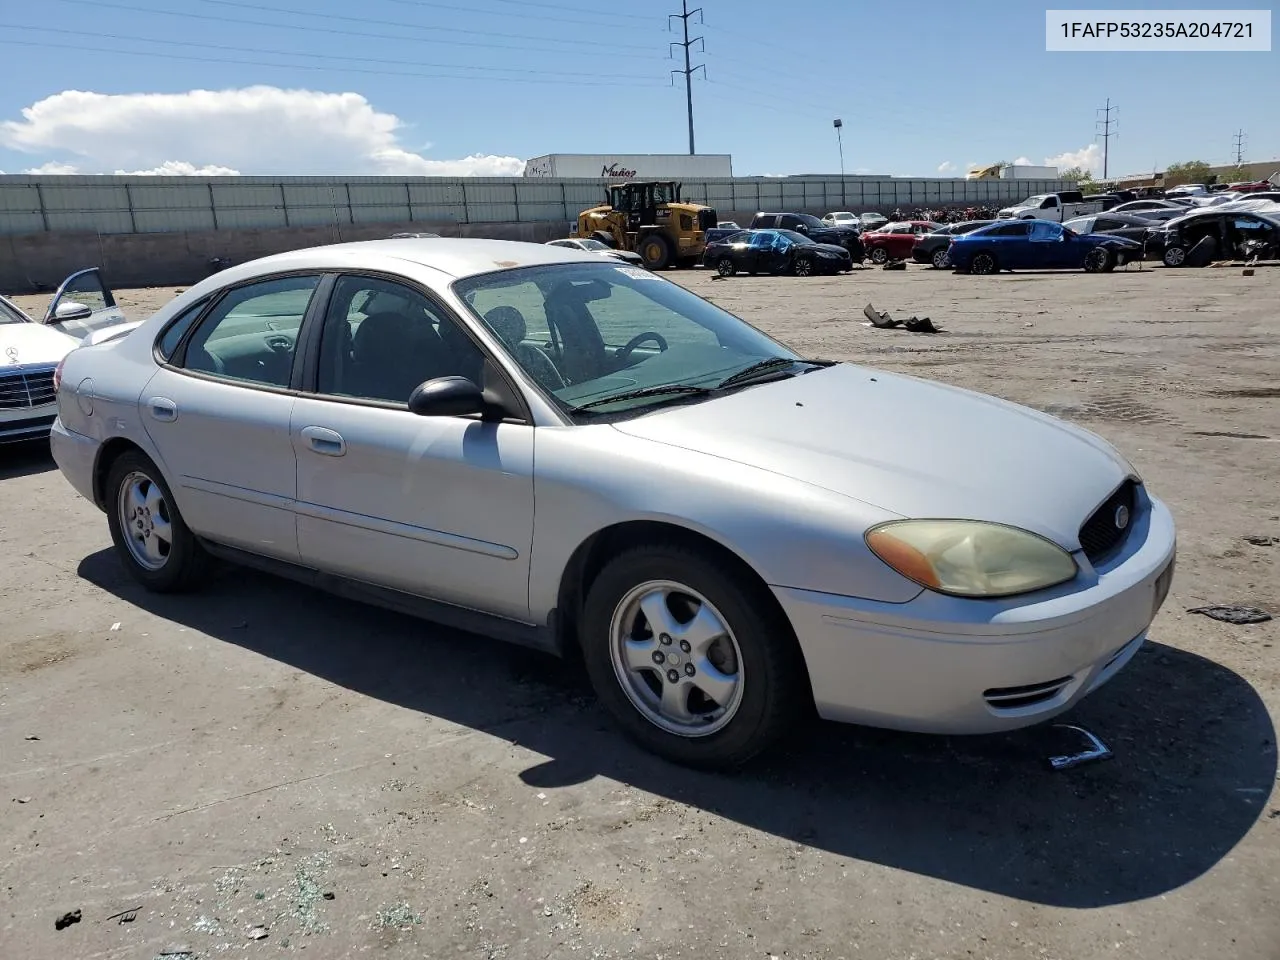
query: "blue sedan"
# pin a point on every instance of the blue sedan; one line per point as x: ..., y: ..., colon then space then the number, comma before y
x: 1038, y: 245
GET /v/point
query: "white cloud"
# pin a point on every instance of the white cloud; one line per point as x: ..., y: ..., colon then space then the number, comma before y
x: 53, y: 166
x: 1086, y: 158
x: 946, y: 166
x: 1022, y: 162
x: 180, y: 168
x: 257, y: 130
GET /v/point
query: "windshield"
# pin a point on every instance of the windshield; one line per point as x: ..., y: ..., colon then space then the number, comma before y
x: 9, y: 315
x: 840, y: 217
x: 587, y: 332
x: 593, y: 245
x: 797, y: 238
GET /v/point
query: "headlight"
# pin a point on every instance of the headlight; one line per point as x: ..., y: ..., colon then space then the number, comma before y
x: 971, y: 558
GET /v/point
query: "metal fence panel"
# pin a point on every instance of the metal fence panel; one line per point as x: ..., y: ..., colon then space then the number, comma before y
x: 97, y: 221
x: 373, y: 213
x: 177, y: 197
x: 251, y: 218
x: 71, y: 197
x: 20, y: 198
x: 173, y: 221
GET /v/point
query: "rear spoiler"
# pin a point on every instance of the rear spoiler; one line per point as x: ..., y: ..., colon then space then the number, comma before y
x: 107, y: 334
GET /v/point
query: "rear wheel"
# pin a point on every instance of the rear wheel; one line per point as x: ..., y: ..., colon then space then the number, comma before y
x: 150, y: 536
x: 656, y: 251
x: 690, y: 660
x: 983, y: 263
x: 879, y: 255
x: 802, y: 267
x: 939, y: 258
x: 726, y: 267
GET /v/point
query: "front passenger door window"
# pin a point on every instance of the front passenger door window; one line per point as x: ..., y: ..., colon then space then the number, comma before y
x: 252, y: 332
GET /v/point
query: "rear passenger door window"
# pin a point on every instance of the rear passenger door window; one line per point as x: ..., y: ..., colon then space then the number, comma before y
x: 251, y: 334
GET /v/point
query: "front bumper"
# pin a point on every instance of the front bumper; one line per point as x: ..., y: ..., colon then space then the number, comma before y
x: 29, y: 423
x: 76, y: 455
x: 948, y: 665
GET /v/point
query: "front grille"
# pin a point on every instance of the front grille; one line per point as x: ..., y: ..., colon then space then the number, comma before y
x: 1101, y: 536
x: 1015, y: 698
x: 30, y: 388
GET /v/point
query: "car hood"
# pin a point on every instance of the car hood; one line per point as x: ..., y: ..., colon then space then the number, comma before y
x: 908, y: 446
x: 23, y: 344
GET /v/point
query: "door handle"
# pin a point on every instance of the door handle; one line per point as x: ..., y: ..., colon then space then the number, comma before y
x: 325, y: 441
x: 162, y: 408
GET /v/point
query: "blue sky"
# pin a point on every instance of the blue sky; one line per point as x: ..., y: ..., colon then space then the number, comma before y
x: 433, y: 82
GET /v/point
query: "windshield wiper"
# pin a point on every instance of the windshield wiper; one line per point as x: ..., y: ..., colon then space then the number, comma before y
x: 749, y: 373
x: 666, y: 389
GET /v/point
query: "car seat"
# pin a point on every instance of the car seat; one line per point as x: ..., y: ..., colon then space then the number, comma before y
x: 509, y: 324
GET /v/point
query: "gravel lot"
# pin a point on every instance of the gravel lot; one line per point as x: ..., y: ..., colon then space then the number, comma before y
x: 352, y: 780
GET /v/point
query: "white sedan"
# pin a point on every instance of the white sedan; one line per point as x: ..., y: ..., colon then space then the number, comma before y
x: 592, y: 245
x: 30, y: 351
x: 570, y: 452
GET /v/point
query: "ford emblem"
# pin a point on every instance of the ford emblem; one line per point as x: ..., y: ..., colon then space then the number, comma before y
x: 1122, y: 517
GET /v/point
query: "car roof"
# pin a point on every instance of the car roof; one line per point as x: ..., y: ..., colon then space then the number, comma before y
x: 453, y: 256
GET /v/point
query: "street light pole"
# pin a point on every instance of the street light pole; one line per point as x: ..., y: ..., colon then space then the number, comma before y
x: 838, y: 123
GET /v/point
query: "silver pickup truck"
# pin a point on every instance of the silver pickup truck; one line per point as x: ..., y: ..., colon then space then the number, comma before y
x: 1059, y: 207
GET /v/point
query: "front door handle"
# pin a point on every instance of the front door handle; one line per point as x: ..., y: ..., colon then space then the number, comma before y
x: 325, y: 441
x: 162, y: 408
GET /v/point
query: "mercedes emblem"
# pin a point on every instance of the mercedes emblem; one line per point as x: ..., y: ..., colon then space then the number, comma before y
x: 1122, y: 517
x: 11, y: 353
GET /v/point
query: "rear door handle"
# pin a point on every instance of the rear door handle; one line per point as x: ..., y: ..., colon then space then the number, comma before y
x: 325, y: 441
x: 162, y: 408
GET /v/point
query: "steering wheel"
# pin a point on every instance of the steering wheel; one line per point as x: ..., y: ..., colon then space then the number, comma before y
x: 624, y: 353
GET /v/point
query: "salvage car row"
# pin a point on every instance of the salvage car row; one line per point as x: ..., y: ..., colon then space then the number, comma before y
x: 724, y: 544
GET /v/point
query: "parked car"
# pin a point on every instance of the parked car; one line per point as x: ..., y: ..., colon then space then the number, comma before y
x: 30, y: 351
x: 931, y: 247
x: 1229, y: 230
x: 591, y: 245
x: 894, y: 241
x: 716, y: 234
x: 1156, y: 210
x: 1059, y: 207
x: 842, y: 218
x: 1114, y: 224
x: 718, y: 528
x: 869, y: 221
x: 775, y: 251
x: 728, y: 225
x: 813, y: 228
x: 1038, y: 245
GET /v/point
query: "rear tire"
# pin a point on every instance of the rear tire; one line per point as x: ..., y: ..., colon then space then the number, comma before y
x: 939, y: 259
x: 752, y: 666
x: 802, y: 267
x: 1098, y: 260
x: 726, y: 267
x: 152, y: 540
x: 879, y: 255
x: 656, y: 251
x: 983, y: 264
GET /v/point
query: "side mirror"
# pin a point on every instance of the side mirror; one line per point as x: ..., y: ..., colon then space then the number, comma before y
x: 447, y: 397
x: 71, y: 310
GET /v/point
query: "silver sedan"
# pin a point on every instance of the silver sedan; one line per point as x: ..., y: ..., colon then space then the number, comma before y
x: 534, y: 443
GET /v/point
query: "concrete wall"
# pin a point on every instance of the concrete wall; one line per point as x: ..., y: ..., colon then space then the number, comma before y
x: 39, y: 261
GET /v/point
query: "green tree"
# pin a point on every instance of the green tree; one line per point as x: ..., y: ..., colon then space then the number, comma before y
x: 1082, y: 178
x: 1192, y: 171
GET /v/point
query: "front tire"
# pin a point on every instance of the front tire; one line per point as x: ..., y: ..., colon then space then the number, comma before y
x: 656, y: 251
x: 151, y: 538
x: 691, y: 661
x: 1098, y: 260
x: 1174, y: 256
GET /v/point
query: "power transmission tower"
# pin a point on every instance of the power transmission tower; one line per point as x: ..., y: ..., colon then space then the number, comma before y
x: 1238, y: 140
x: 1106, y: 134
x: 688, y: 70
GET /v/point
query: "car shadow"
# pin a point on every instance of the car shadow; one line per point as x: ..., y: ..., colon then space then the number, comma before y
x: 25, y: 459
x: 1195, y: 752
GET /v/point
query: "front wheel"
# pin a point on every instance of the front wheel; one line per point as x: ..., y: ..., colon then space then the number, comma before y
x: 691, y: 661
x: 151, y: 538
x: 879, y: 255
x: 1098, y: 260
x: 656, y: 251
x: 1174, y: 256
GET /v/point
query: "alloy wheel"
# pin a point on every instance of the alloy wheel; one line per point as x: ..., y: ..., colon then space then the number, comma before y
x: 145, y: 521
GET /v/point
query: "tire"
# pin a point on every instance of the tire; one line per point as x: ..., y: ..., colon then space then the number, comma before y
x: 726, y: 267
x: 138, y: 503
x: 1098, y: 260
x: 754, y: 667
x: 939, y: 258
x: 983, y: 264
x: 604, y: 236
x: 879, y: 255
x: 1175, y: 256
x: 802, y: 267
x: 656, y: 250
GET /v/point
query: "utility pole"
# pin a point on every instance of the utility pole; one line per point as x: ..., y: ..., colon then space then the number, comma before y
x: 1238, y: 140
x: 688, y: 70
x: 1107, y: 123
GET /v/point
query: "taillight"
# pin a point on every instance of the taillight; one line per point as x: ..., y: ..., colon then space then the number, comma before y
x: 57, y: 374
